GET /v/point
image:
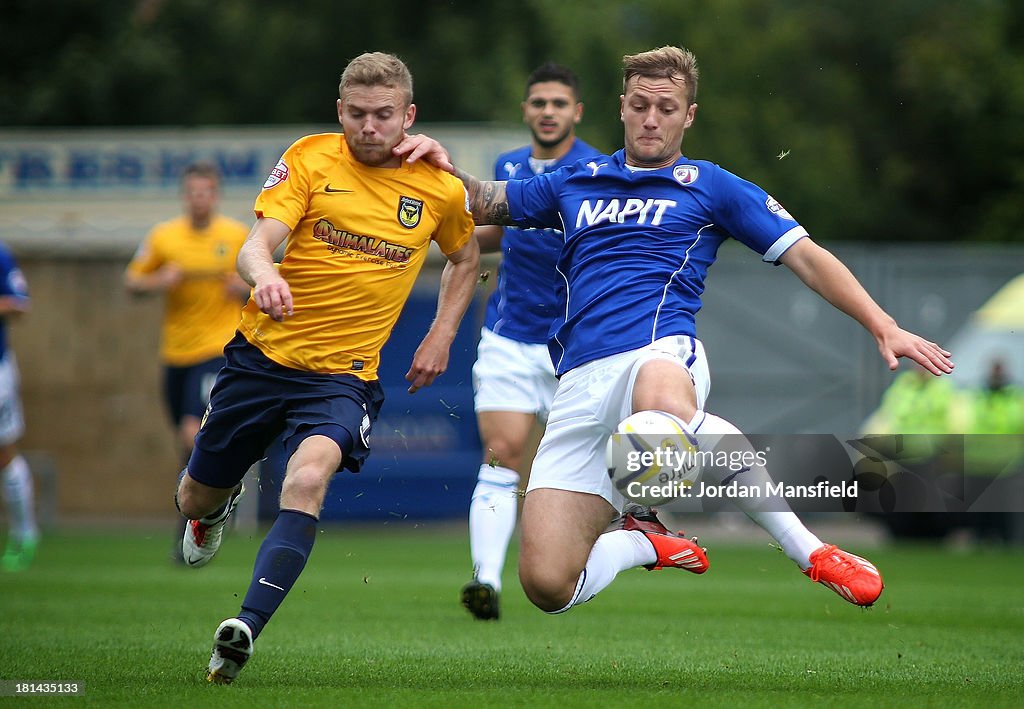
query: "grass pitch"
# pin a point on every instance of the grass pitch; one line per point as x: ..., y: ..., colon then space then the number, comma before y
x: 375, y: 621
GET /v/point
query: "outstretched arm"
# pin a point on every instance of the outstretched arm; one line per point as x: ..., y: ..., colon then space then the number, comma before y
x: 826, y: 275
x: 486, y: 198
x: 458, y: 284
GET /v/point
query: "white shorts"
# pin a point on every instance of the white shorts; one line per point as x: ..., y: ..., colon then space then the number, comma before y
x: 512, y: 376
x: 590, y: 402
x: 12, y: 421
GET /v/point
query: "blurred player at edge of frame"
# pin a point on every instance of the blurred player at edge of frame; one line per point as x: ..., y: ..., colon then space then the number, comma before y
x: 18, y: 489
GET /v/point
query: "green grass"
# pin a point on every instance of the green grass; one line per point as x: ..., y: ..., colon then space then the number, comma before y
x: 375, y: 621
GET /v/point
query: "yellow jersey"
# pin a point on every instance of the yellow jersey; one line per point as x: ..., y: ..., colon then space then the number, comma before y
x: 200, y: 314
x: 359, y: 237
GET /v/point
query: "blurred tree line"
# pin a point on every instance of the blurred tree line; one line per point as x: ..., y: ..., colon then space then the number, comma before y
x: 889, y: 120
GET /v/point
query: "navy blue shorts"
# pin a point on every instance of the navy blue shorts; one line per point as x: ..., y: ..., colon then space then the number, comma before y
x: 255, y: 400
x: 187, y: 389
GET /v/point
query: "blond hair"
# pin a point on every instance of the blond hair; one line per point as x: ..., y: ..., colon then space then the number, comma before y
x: 377, y: 69
x: 679, y: 65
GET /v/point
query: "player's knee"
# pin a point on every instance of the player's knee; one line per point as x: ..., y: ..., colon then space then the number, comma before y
x: 304, y: 487
x: 548, y: 589
x: 504, y: 452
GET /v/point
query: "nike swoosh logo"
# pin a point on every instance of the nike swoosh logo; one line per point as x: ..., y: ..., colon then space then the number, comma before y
x: 264, y: 581
x: 328, y: 188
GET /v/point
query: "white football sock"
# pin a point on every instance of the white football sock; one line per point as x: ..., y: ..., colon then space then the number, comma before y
x: 492, y: 519
x: 613, y: 553
x: 771, y: 513
x: 20, y: 499
x: 795, y: 539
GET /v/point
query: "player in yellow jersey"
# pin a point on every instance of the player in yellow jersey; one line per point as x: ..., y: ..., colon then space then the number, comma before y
x: 358, y: 222
x: 191, y: 260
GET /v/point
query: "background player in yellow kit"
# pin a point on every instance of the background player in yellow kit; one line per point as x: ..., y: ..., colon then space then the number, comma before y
x: 359, y: 222
x: 191, y: 259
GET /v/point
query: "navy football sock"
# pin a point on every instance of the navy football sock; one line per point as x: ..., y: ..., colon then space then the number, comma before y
x: 279, y: 562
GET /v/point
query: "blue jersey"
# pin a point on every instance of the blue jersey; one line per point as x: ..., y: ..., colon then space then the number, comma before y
x: 638, y: 244
x: 529, y: 296
x: 12, y: 284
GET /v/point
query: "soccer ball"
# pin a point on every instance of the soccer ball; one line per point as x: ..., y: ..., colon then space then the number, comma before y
x: 652, y: 458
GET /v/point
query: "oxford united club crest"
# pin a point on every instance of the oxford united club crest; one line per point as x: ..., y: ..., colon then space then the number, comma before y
x: 409, y: 211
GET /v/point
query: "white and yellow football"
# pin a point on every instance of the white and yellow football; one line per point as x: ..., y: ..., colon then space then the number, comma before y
x: 651, y: 457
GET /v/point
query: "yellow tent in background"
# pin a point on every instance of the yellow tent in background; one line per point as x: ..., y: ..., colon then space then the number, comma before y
x: 1005, y: 309
x: 994, y: 332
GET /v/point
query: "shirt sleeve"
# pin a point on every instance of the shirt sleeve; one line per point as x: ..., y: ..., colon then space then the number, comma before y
x: 533, y: 202
x: 753, y: 217
x: 456, y: 223
x: 147, y: 256
x: 285, y: 194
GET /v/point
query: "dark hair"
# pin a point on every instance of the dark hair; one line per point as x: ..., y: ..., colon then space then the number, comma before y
x: 551, y: 71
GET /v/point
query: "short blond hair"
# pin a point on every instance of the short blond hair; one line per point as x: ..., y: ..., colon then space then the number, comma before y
x: 669, y: 62
x: 377, y: 69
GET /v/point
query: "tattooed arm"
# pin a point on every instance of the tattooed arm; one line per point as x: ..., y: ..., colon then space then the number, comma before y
x: 487, y: 200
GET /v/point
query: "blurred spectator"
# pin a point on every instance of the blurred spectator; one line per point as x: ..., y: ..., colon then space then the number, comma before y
x: 917, y: 407
x: 994, y: 447
x: 907, y: 428
x: 997, y: 407
x: 916, y: 411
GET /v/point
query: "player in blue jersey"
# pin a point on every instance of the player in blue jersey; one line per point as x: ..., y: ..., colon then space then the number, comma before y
x: 640, y: 229
x: 19, y: 496
x: 513, y: 378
